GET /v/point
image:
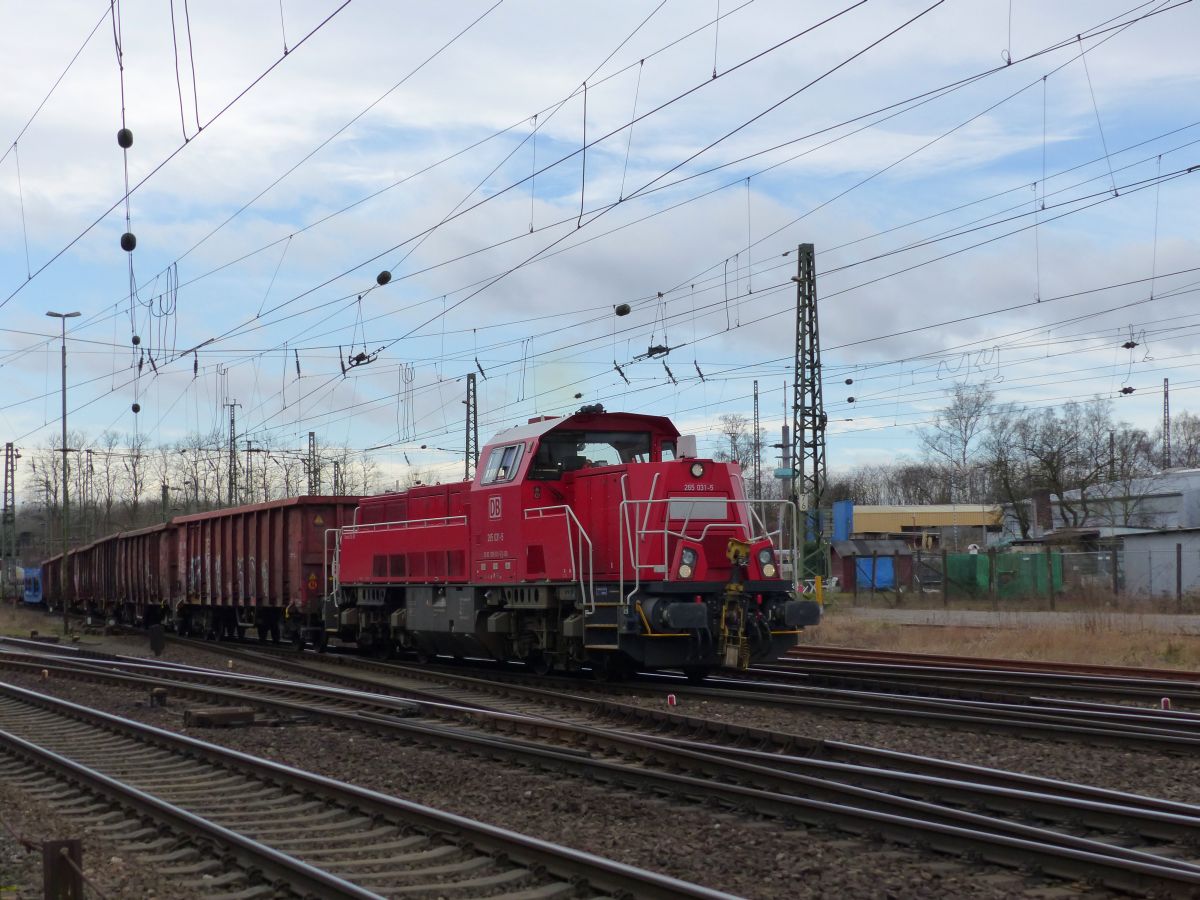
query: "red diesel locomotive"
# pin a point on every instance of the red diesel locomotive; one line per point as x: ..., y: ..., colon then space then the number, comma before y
x: 595, y: 540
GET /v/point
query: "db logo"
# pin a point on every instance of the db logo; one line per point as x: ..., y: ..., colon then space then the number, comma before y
x: 494, y: 507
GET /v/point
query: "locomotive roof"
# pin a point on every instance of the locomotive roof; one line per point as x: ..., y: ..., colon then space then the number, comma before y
x: 589, y: 422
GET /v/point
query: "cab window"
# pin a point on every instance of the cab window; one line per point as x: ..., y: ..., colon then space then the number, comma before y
x: 502, y: 464
x: 569, y: 451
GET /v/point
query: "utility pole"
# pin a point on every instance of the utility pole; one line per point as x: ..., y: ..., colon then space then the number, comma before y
x: 233, y: 455
x: 337, y: 477
x: 1166, y: 423
x: 66, y: 508
x: 471, y: 452
x: 757, y: 448
x: 8, y: 519
x: 166, y: 501
x: 808, y: 406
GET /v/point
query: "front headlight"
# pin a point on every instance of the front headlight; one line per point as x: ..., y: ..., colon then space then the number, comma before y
x: 697, y: 469
x: 765, y: 556
x: 688, y: 556
x: 685, y: 571
x: 769, y: 570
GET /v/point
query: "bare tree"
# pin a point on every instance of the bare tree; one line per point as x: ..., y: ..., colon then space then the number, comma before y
x: 136, y: 469
x: 956, y: 432
x: 110, y: 475
x: 1185, y: 441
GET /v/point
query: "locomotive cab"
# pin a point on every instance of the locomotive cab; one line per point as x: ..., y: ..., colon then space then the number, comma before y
x: 596, y: 540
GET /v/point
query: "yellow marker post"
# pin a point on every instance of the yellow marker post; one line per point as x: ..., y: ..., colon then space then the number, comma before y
x: 819, y: 590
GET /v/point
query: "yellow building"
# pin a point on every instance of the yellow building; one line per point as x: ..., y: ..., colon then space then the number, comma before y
x: 949, y: 524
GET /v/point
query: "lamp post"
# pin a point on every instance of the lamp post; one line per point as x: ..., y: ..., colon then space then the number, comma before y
x: 66, y: 515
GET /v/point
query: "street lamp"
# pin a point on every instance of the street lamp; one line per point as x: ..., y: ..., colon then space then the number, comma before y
x: 66, y: 515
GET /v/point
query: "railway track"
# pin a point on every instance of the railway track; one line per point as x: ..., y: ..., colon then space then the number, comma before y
x: 952, y: 808
x: 856, y: 654
x: 287, y: 827
x: 906, y: 672
x: 1176, y: 731
x: 978, y: 710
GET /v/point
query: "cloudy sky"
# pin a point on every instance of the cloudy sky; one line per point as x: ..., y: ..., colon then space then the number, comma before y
x: 997, y: 191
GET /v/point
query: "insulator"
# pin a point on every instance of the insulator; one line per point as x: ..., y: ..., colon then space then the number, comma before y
x: 624, y: 309
x: 849, y: 399
x: 383, y: 277
x: 849, y: 381
x: 125, y: 138
x: 137, y: 408
x: 1129, y: 345
x: 579, y: 396
x: 135, y: 340
x: 128, y: 242
x: 1127, y: 390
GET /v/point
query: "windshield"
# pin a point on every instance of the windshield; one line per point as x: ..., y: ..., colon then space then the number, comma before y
x: 569, y: 451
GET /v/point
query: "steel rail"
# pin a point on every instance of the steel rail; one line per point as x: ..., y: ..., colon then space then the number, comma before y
x: 832, y: 671
x: 1118, y: 727
x: 855, y: 654
x: 252, y: 854
x: 532, y: 853
x: 732, y: 736
x: 1142, y: 815
x: 1020, y: 847
x: 1113, y: 727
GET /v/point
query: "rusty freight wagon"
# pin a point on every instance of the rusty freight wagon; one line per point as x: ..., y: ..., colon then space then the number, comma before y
x: 211, y: 573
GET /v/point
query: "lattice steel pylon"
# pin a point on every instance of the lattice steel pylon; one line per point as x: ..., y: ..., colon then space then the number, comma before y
x: 756, y: 461
x: 471, y: 451
x: 233, y: 452
x: 1166, y: 423
x: 314, y: 468
x: 808, y: 408
x: 8, y: 518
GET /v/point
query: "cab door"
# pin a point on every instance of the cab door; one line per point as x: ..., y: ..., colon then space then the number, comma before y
x: 497, y: 515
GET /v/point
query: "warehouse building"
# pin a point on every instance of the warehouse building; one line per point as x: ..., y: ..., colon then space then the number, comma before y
x: 1162, y: 563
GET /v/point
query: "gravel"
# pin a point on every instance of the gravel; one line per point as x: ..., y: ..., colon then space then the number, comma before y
x: 731, y: 852
x: 108, y: 869
x: 1148, y: 771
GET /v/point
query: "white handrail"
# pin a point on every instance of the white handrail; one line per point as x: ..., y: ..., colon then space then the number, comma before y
x: 753, y: 535
x: 577, y: 572
x: 335, y: 567
x: 402, y: 524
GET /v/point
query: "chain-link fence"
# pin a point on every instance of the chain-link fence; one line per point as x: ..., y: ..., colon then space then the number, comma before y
x: 1043, y: 578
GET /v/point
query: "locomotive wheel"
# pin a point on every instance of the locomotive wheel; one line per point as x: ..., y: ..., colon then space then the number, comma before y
x: 540, y: 664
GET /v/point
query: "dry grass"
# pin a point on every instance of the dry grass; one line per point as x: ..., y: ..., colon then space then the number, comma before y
x: 1071, y: 601
x: 18, y: 620
x: 1098, y: 639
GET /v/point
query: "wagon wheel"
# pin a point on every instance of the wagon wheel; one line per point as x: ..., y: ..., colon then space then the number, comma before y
x: 539, y: 663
